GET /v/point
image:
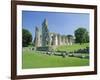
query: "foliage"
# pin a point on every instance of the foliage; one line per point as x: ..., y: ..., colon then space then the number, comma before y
x: 69, y: 35
x: 26, y: 38
x: 81, y: 35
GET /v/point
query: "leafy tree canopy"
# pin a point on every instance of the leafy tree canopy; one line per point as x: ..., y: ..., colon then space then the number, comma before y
x: 26, y: 37
x: 81, y: 35
x: 69, y: 35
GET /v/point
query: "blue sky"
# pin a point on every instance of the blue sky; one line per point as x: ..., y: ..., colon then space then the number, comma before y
x: 63, y: 23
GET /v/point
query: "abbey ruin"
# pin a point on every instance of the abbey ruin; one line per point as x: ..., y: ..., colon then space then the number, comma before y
x: 44, y: 38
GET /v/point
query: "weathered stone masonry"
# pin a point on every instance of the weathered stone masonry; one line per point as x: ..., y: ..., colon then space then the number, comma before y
x: 45, y: 38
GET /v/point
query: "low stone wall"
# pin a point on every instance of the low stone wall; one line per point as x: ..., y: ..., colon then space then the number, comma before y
x: 44, y: 48
x: 86, y: 50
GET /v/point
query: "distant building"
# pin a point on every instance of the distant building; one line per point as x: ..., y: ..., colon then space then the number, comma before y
x: 45, y: 38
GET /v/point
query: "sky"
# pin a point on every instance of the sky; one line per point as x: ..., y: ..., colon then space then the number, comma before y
x: 58, y: 22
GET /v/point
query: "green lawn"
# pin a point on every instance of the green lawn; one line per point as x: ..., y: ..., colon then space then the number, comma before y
x: 73, y: 47
x: 33, y: 59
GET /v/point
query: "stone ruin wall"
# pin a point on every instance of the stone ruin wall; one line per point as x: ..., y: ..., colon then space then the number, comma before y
x: 45, y: 38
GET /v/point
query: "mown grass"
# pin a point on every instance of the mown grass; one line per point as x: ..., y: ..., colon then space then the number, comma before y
x: 34, y: 59
x: 72, y: 48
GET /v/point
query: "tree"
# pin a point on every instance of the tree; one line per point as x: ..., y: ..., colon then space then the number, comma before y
x: 81, y: 35
x: 69, y: 36
x: 26, y: 37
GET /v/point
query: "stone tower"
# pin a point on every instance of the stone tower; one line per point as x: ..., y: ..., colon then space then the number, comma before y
x: 37, y: 37
x: 45, y: 34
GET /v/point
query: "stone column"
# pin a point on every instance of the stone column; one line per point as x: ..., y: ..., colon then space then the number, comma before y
x: 37, y: 37
x: 66, y: 40
x: 59, y: 39
x: 63, y: 40
x: 50, y: 40
x: 55, y: 39
x: 70, y: 40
